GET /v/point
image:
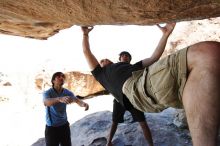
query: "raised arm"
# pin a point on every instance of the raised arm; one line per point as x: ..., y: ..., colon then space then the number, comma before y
x: 91, y: 59
x: 166, y: 30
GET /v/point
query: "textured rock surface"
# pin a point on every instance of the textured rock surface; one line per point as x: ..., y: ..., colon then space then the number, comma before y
x: 192, y: 32
x: 93, y: 130
x: 83, y: 84
x: 80, y: 83
x: 43, y: 18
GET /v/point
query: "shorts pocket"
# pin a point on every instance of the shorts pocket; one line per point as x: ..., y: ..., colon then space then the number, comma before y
x: 162, y: 82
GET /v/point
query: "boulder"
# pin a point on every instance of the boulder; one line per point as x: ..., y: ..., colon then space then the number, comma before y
x: 41, y: 19
x: 93, y: 130
x: 83, y: 84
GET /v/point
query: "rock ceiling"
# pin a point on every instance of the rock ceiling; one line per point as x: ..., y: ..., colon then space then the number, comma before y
x: 41, y: 19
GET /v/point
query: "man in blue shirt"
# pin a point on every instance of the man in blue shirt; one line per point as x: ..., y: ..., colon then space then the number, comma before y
x: 55, y: 100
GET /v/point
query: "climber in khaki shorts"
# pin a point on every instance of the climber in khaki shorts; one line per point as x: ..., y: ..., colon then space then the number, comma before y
x: 158, y: 86
x: 189, y: 79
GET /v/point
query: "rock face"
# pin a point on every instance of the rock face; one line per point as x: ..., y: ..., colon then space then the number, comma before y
x: 80, y: 83
x: 41, y: 19
x: 192, y: 32
x: 93, y: 130
x: 83, y: 84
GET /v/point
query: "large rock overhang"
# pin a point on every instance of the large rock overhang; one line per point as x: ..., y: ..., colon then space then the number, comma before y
x: 41, y: 19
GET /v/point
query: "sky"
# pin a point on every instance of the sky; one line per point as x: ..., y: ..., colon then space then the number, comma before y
x: 63, y: 51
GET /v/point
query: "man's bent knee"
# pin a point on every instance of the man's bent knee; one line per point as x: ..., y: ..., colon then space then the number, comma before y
x: 203, y: 54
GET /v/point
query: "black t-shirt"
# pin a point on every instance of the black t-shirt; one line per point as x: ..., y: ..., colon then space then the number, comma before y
x: 112, y: 77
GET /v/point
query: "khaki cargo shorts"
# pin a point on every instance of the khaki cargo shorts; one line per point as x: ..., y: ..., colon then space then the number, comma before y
x: 160, y: 86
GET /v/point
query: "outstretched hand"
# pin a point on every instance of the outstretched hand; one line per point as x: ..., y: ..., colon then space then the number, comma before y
x: 86, y: 29
x: 65, y: 99
x: 86, y: 106
x: 167, y: 29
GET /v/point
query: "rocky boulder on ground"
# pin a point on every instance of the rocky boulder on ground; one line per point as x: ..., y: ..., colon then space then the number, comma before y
x: 93, y: 130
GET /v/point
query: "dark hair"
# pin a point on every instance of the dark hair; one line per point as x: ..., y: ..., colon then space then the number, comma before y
x: 125, y: 53
x: 56, y: 74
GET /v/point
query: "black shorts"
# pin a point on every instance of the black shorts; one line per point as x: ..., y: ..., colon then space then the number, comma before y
x: 119, y: 110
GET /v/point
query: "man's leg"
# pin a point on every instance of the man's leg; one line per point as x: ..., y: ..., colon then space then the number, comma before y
x: 65, y: 135
x: 117, y: 117
x: 201, y: 95
x: 146, y: 132
x: 112, y: 133
x: 140, y: 117
x: 51, y: 136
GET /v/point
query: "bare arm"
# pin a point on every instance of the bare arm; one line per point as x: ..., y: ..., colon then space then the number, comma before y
x: 66, y: 100
x: 82, y: 104
x: 91, y: 59
x: 166, y: 30
x: 53, y: 101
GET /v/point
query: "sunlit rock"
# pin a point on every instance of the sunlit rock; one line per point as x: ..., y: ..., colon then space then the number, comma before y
x: 42, y: 19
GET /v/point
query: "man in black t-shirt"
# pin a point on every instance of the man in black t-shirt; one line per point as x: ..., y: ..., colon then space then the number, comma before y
x: 119, y: 109
x: 112, y: 76
x: 188, y: 77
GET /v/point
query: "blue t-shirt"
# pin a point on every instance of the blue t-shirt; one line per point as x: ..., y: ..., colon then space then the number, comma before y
x: 56, y: 115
